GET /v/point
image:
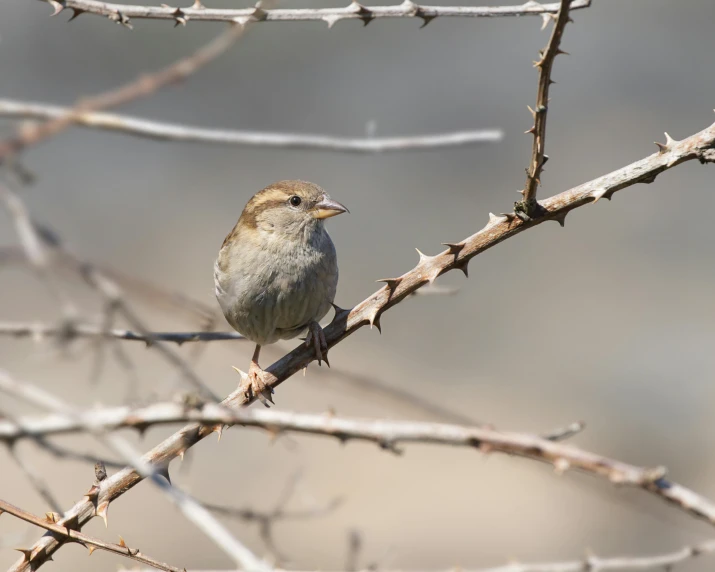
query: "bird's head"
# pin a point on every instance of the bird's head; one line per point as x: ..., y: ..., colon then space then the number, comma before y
x: 290, y: 208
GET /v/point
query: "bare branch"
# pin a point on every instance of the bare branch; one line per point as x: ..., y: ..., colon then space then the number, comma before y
x: 700, y: 146
x: 158, y: 475
x: 184, y: 133
x: 39, y: 331
x: 123, y: 13
x: 591, y: 563
x: 64, y: 532
x: 143, y: 86
x: 527, y: 207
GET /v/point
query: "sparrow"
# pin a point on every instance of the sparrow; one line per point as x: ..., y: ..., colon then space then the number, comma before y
x: 277, y: 271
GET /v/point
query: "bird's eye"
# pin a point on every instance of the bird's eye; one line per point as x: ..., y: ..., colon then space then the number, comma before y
x: 295, y: 200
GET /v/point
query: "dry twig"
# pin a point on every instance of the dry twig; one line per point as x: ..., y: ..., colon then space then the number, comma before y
x: 590, y: 563
x: 528, y: 207
x: 123, y: 13
x: 700, y: 146
x: 65, y: 532
x: 184, y: 133
x: 143, y: 86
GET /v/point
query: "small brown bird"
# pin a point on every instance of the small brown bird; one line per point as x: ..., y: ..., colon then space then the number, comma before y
x: 277, y: 271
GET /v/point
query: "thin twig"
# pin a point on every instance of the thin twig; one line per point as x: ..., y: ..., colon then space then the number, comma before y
x: 527, y: 208
x: 64, y: 532
x: 144, y: 86
x: 184, y: 133
x: 700, y: 146
x: 123, y: 13
x: 590, y: 563
x: 159, y: 476
x: 35, y: 479
x: 39, y: 331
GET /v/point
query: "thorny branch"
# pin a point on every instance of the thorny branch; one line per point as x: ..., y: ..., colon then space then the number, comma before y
x: 158, y: 475
x: 383, y: 433
x: 527, y: 208
x: 700, y: 146
x: 65, y: 532
x: 184, y: 133
x: 123, y: 13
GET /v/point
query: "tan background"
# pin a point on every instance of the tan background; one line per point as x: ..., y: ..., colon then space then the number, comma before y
x: 609, y: 320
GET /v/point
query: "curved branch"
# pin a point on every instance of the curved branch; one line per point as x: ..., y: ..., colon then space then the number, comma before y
x: 700, y: 146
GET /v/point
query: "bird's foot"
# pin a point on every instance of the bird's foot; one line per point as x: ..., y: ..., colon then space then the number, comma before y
x: 253, y: 384
x: 316, y: 338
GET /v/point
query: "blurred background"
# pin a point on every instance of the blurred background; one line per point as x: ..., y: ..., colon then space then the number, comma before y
x: 609, y: 321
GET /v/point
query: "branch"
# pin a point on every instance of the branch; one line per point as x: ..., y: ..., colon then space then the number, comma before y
x: 64, y: 532
x: 590, y: 563
x: 114, y: 418
x: 527, y: 207
x: 184, y: 133
x: 144, y: 86
x: 700, y: 146
x: 69, y: 331
x: 122, y: 13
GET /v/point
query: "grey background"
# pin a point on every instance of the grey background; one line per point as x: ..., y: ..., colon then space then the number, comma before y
x: 609, y: 320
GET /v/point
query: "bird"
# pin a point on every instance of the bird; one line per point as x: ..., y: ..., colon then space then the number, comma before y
x: 276, y: 273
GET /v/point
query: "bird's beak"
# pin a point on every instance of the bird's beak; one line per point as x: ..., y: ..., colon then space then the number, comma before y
x: 327, y: 207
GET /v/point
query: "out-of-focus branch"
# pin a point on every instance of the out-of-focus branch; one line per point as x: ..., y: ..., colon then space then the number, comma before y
x: 185, y: 133
x: 527, y: 208
x: 109, y: 291
x: 66, y: 333
x: 64, y: 532
x: 123, y: 13
x: 386, y: 434
x: 591, y: 563
x: 158, y: 475
x: 700, y: 146
x: 144, y: 86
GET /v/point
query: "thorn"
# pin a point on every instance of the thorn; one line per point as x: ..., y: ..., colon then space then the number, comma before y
x: 216, y: 429
x: 305, y: 370
x: 58, y: 6
x: 331, y: 19
x: 164, y: 472
x: 76, y: 12
x: 551, y: 81
x: 122, y: 543
x: 197, y: 5
x: 91, y: 549
x: 531, y: 130
x: 454, y: 248
x: 27, y: 553
x: 496, y: 219
x: 422, y: 255
x: 102, y: 509
x: 463, y: 267
x: 598, y: 194
x: 669, y: 141
x: 92, y: 493
x: 392, y: 283
x: 533, y: 113
x: 52, y: 517
x: 181, y: 454
x: 561, y: 218
x: 374, y: 320
x: 662, y: 148
x: 560, y: 52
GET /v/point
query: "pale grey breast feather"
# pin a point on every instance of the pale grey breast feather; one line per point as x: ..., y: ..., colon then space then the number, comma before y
x: 266, y: 301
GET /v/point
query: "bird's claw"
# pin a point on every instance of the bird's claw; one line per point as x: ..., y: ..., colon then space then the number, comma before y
x: 316, y: 338
x: 253, y: 385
